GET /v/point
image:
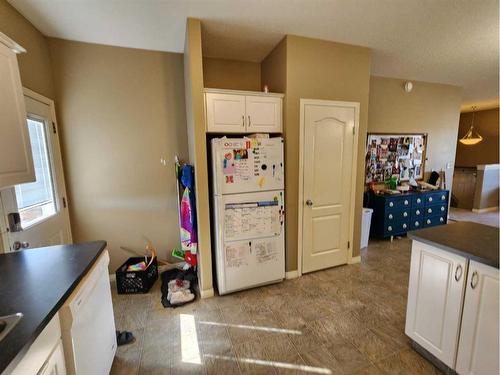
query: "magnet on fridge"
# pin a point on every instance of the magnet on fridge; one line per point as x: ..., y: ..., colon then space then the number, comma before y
x: 261, y: 181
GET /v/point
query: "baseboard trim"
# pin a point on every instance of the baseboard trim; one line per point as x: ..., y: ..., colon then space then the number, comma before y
x: 355, y: 260
x: 291, y: 275
x: 207, y: 293
x: 483, y: 210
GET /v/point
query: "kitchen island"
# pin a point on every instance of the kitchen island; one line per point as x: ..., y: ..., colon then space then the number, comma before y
x: 453, y: 297
x: 37, y: 283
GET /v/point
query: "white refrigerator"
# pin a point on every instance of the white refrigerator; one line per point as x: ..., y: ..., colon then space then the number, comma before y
x: 248, y: 212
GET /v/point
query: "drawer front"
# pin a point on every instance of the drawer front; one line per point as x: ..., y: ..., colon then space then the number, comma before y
x: 398, y: 227
x: 437, y: 210
x: 416, y: 223
x: 399, y: 203
x: 436, y: 198
x: 393, y: 216
x: 418, y: 200
x: 434, y: 220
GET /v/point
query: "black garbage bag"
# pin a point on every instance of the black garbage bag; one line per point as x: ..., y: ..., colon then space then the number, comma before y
x: 175, y: 274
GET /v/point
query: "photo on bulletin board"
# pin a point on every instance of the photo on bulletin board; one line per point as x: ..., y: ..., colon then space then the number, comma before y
x: 398, y: 155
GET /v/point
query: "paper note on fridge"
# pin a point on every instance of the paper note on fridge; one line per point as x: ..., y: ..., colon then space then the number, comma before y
x: 251, y: 220
x: 237, y: 255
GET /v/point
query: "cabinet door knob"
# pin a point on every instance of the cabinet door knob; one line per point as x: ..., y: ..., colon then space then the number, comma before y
x: 417, y: 212
x: 405, y: 214
x: 417, y: 223
x: 442, y: 208
x: 474, y: 279
x: 430, y: 199
x: 406, y: 202
x: 391, y: 204
x: 458, y: 274
x: 419, y: 200
x: 428, y: 221
x: 390, y: 216
x: 441, y: 219
x: 389, y: 228
x: 429, y: 210
x: 443, y: 197
x: 309, y: 202
x: 404, y: 226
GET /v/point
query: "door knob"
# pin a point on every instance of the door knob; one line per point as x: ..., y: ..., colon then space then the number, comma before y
x: 17, y: 245
x: 309, y: 202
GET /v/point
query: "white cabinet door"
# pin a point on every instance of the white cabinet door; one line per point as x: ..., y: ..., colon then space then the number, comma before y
x: 55, y: 364
x: 478, y: 349
x: 16, y: 164
x: 263, y: 114
x: 225, y: 113
x: 435, y: 296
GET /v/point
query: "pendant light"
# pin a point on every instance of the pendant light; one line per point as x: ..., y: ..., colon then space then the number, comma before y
x: 470, y: 138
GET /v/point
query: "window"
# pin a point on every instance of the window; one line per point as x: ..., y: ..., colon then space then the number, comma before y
x: 35, y: 200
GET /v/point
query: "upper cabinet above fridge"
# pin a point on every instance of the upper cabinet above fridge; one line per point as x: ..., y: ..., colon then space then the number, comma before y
x: 16, y: 162
x: 229, y: 111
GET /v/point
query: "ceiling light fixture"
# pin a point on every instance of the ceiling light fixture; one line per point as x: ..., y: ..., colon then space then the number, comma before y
x: 470, y: 139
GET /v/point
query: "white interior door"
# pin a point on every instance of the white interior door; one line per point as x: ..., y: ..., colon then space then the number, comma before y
x: 328, y: 164
x: 41, y: 205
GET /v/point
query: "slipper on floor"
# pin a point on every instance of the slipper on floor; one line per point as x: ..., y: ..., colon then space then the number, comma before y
x: 124, y: 338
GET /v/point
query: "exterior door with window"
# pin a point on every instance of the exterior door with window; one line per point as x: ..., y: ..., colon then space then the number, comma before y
x: 42, y: 206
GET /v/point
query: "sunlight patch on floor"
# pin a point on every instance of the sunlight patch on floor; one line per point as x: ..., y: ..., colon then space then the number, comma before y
x: 257, y: 328
x: 189, y: 340
x: 284, y: 365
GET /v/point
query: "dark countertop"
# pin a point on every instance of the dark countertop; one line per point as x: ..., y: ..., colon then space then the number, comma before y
x: 474, y: 241
x: 36, y: 283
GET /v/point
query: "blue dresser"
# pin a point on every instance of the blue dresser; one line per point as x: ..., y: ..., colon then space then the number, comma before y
x: 397, y: 214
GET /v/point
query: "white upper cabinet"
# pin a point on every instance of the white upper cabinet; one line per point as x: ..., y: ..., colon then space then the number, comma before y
x: 263, y: 114
x: 478, y: 349
x: 225, y: 113
x: 243, y: 112
x: 16, y: 162
x: 435, y: 297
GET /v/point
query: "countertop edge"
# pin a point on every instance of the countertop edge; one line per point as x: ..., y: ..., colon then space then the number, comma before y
x: 414, y: 236
x: 20, y: 355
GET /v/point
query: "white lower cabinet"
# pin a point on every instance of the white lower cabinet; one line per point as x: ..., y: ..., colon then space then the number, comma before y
x: 478, y: 350
x: 453, y: 309
x: 45, y: 356
x: 435, y: 297
x: 55, y: 364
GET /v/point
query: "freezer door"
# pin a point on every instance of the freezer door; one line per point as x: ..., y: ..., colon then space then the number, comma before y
x: 249, y: 239
x: 244, y: 165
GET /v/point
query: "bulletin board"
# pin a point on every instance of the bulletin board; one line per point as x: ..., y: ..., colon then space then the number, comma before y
x: 400, y: 155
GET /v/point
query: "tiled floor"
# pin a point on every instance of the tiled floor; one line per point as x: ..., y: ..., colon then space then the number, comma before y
x: 345, y: 320
x: 489, y: 218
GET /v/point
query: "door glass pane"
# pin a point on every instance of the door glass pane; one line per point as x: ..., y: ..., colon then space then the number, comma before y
x: 35, y: 200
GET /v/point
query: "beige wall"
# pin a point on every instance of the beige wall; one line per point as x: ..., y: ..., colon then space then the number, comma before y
x: 430, y: 108
x: 487, y: 187
x: 120, y: 110
x: 316, y: 69
x: 34, y: 65
x: 231, y: 74
x: 485, y: 152
x: 193, y: 72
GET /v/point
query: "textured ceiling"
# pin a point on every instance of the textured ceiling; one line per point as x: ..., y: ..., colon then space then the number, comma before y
x: 445, y: 41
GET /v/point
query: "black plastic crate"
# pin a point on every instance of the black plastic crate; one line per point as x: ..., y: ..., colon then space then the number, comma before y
x: 129, y: 282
